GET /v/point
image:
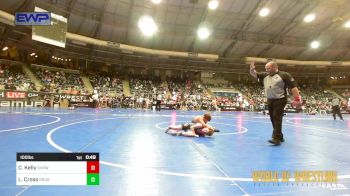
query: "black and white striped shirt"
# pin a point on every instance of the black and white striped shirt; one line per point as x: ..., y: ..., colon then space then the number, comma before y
x: 277, y: 84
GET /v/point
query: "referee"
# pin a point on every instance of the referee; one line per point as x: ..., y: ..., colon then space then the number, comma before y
x: 159, y: 101
x: 276, y: 84
x: 336, y: 108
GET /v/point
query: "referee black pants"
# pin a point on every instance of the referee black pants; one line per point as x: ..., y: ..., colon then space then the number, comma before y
x: 158, y: 105
x: 276, y: 108
x: 336, y: 111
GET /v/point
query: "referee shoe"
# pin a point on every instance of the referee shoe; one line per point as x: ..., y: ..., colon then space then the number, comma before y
x: 275, y: 142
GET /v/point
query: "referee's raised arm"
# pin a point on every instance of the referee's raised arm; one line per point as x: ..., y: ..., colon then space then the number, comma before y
x: 252, y: 70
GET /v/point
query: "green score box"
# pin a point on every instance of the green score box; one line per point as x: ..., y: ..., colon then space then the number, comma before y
x: 93, y: 179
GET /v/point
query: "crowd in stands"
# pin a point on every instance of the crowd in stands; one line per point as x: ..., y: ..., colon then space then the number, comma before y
x: 106, y: 83
x: 345, y: 93
x: 217, y: 85
x: 146, y: 87
x: 189, y: 95
x: 13, y: 78
x: 251, y: 97
x: 144, y: 91
x: 316, y: 98
x: 60, y: 81
x: 177, y: 93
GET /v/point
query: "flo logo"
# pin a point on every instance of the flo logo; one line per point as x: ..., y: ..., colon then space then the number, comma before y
x: 33, y: 18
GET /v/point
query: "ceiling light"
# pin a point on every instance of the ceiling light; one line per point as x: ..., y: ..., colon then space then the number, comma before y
x: 213, y: 4
x: 156, y: 1
x: 309, y: 18
x: 264, y: 12
x: 5, y: 48
x: 147, y: 25
x: 203, y: 33
x: 347, y: 24
x: 315, y: 44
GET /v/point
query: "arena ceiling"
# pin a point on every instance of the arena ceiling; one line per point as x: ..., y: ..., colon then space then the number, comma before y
x: 237, y: 29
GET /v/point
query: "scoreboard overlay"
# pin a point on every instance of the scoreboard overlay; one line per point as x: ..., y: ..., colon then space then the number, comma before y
x: 57, y: 169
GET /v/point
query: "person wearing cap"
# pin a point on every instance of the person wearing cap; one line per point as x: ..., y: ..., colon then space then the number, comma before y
x: 276, y: 84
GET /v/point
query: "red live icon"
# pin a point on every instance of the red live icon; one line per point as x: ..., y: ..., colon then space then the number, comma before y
x: 93, y: 167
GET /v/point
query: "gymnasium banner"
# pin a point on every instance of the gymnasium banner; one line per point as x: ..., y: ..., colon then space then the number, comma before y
x: 21, y: 95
